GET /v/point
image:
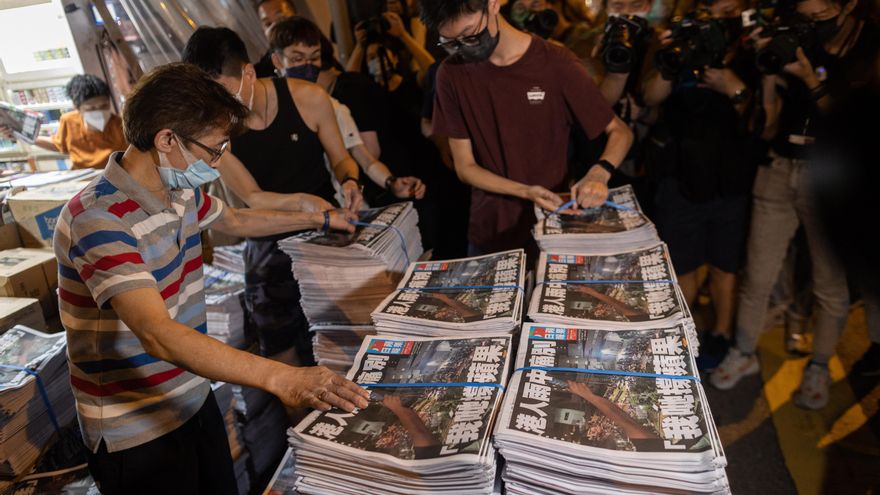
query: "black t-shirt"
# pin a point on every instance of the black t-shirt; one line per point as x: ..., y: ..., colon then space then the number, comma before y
x: 800, y: 116
x: 707, y: 146
x: 364, y: 98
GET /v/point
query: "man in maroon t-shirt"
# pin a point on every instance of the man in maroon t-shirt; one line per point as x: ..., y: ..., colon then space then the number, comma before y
x: 507, y: 101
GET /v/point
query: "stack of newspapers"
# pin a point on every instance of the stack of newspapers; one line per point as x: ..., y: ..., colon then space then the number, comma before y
x: 224, y: 294
x: 336, y: 346
x: 619, y: 224
x: 342, y: 277
x: 26, y: 423
x: 613, y: 291
x: 483, y: 293
x: 427, y: 428
x: 598, y: 411
x: 230, y: 258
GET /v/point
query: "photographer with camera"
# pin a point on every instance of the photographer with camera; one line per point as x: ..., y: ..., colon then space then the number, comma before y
x: 384, y: 48
x: 699, y: 160
x: 565, y: 21
x: 836, y: 53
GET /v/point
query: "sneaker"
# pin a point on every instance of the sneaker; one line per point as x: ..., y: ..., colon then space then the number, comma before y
x: 713, y: 348
x: 869, y: 363
x: 813, y: 392
x: 734, y: 367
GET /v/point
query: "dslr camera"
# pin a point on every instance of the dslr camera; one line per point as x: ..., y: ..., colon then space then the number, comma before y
x: 698, y: 41
x: 542, y: 23
x: 786, y: 36
x: 624, y: 42
x: 377, y: 28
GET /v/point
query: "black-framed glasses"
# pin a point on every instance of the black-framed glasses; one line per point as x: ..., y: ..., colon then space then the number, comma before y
x: 452, y: 46
x: 215, y: 153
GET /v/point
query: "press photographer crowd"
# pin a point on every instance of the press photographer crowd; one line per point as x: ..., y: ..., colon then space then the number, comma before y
x: 238, y: 226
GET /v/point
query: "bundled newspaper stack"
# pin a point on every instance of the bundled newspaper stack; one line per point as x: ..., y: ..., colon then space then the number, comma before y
x: 598, y: 411
x: 483, y: 293
x: 427, y: 428
x: 342, y: 277
x: 224, y: 293
x: 26, y: 423
x: 230, y: 258
x: 618, y: 225
x: 336, y: 346
x: 615, y: 291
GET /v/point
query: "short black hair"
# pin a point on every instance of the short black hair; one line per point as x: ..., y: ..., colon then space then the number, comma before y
x: 288, y: 2
x: 292, y: 31
x: 436, y: 12
x: 216, y: 50
x: 183, y: 98
x: 85, y: 86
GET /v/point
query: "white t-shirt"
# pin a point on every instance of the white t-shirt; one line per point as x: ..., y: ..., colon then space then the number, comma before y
x: 351, y: 137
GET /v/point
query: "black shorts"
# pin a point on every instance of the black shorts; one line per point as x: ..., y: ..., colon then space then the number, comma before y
x: 711, y: 233
x: 273, y: 300
x: 194, y: 458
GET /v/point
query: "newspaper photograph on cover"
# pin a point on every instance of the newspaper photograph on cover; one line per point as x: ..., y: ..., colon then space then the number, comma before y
x: 614, y: 301
x: 362, y: 235
x: 26, y: 348
x: 460, y: 305
x: 414, y: 424
x: 607, y: 411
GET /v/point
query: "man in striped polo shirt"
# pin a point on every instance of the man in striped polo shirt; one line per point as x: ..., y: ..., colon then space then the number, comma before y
x: 132, y: 297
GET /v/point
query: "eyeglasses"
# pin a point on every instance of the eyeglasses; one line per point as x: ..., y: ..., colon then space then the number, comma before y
x: 452, y: 46
x: 215, y: 153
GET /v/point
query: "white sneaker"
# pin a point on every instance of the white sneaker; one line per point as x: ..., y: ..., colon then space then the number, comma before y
x: 813, y: 392
x: 734, y: 367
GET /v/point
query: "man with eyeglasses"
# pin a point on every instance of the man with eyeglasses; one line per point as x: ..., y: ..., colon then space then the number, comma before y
x: 131, y: 295
x: 510, y: 99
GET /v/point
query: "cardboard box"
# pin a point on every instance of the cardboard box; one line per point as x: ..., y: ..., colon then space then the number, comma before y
x: 9, y: 238
x: 21, y: 311
x: 30, y: 273
x: 36, y: 211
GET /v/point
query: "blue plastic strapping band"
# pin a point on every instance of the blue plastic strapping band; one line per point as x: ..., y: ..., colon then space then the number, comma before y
x: 600, y: 281
x: 41, y: 387
x: 610, y: 372
x: 434, y: 384
x: 459, y: 287
x: 392, y: 227
x: 611, y: 204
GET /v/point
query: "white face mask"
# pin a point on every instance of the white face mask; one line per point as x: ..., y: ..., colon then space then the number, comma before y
x: 250, y: 103
x: 375, y: 68
x: 96, y: 119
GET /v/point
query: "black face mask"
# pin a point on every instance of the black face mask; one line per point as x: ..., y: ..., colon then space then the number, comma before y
x: 483, y: 49
x: 733, y: 28
x: 826, y: 30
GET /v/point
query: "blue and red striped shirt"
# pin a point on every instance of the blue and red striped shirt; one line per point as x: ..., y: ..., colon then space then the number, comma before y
x: 113, y: 237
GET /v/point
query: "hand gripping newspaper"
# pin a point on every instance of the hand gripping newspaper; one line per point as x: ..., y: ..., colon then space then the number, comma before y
x: 451, y: 297
x: 342, y: 277
x: 623, y: 290
x: 619, y: 224
x: 607, y: 412
x: 428, y: 426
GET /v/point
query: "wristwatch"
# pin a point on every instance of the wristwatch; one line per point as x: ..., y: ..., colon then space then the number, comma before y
x: 740, y: 96
x: 388, y: 181
x: 605, y: 164
x: 348, y: 178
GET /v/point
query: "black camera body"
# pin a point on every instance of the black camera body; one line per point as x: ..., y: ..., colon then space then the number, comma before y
x: 542, y: 23
x: 698, y: 41
x: 787, y: 36
x: 624, y: 43
x: 376, y: 28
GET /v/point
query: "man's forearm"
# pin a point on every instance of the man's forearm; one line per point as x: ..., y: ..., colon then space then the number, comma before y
x: 620, y: 138
x: 246, y: 222
x: 274, y: 201
x: 345, y: 168
x: 612, y: 86
x: 45, y: 143
x: 481, y: 178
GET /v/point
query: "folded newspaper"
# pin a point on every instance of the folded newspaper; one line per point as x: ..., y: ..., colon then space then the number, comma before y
x: 336, y: 346
x: 618, y: 225
x: 342, y: 277
x: 483, y: 293
x: 599, y: 411
x: 26, y: 424
x: 224, y: 299
x: 613, y: 291
x: 427, y: 428
x: 230, y: 258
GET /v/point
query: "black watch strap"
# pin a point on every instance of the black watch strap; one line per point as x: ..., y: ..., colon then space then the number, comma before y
x: 355, y: 179
x: 607, y: 166
x: 391, y: 179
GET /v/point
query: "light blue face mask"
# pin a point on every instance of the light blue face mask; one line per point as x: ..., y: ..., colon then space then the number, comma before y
x: 197, y: 172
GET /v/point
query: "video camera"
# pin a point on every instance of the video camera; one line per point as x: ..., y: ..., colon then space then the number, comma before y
x: 787, y: 35
x: 376, y: 28
x: 698, y: 41
x: 624, y: 42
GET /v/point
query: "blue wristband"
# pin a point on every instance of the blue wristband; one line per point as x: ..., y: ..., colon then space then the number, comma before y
x: 326, y: 226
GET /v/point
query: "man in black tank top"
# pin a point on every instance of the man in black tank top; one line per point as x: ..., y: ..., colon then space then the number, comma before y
x: 290, y: 126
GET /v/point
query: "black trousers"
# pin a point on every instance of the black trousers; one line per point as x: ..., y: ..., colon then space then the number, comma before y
x: 192, y: 459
